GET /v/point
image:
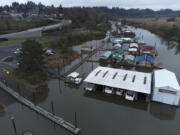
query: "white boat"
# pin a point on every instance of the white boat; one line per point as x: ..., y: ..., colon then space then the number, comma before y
x: 133, y: 45
x: 130, y: 95
x: 126, y: 40
x: 74, y: 78
x: 117, y: 46
x: 108, y: 90
x: 89, y: 87
x: 119, y: 92
x: 117, y: 41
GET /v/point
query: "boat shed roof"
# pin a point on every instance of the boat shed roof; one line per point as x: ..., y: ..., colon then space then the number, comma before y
x: 134, y: 45
x: 119, y: 78
x: 107, y: 54
x: 73, y: 75
x: 165, y: 78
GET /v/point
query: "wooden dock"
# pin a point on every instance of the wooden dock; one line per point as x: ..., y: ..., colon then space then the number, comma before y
x: 57, y: 120
x: 105, y: 49
x: 84, y: 60
x: 127, y: 65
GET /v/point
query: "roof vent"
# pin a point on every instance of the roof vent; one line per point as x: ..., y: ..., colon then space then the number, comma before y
x: 97, y: 72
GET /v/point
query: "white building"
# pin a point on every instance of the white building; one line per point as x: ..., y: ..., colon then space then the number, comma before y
x: 166, y: 87
x: 134, y: 81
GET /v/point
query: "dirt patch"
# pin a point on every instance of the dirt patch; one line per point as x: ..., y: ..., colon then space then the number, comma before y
x: 58, y: 61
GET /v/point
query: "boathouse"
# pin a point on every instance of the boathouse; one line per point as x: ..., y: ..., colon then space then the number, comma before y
x: 138, y: 82
x: 166, y: 87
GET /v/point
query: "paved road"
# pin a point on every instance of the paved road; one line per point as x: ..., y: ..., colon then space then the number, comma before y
x: 35, y: 32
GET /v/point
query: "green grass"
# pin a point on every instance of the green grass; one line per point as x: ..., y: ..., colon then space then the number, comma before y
x: 13, y: 41
x: 2, y: 107
x: 5, y: 64
x: 16, y: 77
x: 34, y: 77
x: 162, y: 27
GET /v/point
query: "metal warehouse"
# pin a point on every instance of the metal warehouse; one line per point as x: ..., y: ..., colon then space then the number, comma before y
x: 166, y: 87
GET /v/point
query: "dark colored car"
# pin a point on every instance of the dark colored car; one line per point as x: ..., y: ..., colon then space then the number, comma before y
x: 8, y: 59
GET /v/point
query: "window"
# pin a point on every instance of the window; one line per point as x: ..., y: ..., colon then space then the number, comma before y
x: 167, y: 91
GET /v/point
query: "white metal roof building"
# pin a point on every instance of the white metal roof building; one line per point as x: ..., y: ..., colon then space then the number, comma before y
x: 166, y: 87
x: 123, y: 79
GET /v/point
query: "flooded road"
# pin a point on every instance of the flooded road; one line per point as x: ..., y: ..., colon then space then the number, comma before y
x: 98, y: 113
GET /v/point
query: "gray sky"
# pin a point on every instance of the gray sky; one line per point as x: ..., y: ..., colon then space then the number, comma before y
x: 153, y: 4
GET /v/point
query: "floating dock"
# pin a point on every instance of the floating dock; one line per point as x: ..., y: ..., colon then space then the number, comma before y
x: 128, y: 65
x: 57, y: 120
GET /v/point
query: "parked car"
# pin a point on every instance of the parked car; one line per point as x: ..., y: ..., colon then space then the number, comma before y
x: 49, y: 52
x: 8, y: 59
x: 130, y: 95
x: 108, y: 90
x: 17, y: 51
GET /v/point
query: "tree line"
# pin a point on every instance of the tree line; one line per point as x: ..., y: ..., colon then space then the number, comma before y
x: 137, y: 13
x: 30, y: 6
x: 108, y: 12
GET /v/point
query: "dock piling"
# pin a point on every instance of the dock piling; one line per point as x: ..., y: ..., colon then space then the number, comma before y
x: 14, y: 125
x: 75, y: 120
x: 52, y: 107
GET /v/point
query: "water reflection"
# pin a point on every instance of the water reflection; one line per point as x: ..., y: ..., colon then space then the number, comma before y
x: 172, y: 45
x: 178, y: 49
x: 6, y: 101
x: 40, y: 94
x: 71, y: 85
x: 157, y: 110
x: 141, y: 105
x: 157, y: 39
x: 163, y: 111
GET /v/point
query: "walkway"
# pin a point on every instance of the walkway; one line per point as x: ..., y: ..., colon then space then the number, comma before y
x: 59, y: 121
x: 84, y: 60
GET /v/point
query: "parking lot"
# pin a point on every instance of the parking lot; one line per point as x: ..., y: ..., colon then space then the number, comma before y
x: 8, y: 50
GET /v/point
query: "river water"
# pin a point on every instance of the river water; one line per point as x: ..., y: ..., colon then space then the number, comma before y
x: 98, y: 113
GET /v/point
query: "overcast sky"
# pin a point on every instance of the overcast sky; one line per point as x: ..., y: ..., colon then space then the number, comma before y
x: 153, y: 4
